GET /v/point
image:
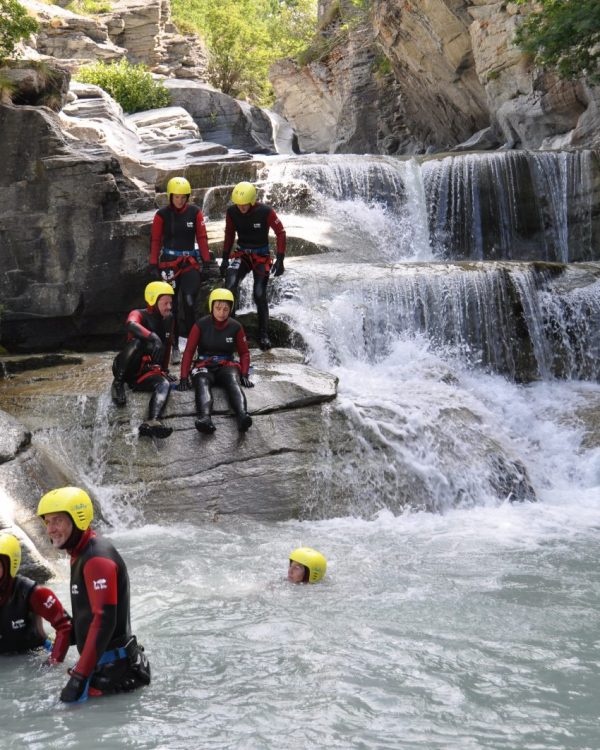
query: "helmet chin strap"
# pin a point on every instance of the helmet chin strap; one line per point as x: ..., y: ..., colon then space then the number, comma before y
x: 73, y: 539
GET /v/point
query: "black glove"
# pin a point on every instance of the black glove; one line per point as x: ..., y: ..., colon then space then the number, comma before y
x: 278, y: 268
x: 154, y: 272
x: 184, y: 384
x: 246, y: 382
x: 74, y: 689
x: 157, y: 348
x: 223, y: 267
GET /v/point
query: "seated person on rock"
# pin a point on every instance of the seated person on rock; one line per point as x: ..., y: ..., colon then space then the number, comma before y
x: 306, y: 566
x: 144, y: 361
x: 23, y: 605
x: 216, y: 337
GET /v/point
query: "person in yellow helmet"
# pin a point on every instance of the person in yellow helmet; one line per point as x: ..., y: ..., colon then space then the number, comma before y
x: 210, y: 359
x: 110, y: 659
x: 23, y: 606
x: 176, y: 229
x: 306, y: 565
x: 251, y: 221
x: 143, y: 363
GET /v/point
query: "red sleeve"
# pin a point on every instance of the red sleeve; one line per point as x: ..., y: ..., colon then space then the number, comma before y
x: 201, y: 237
x: 46, y: 604
x: 243, y: 351
x: 156, y: 238
x: 190, y: 348
x: 277, y: 227
x: 134, y: 325
x: 229, y: 235
x: 100, y: 576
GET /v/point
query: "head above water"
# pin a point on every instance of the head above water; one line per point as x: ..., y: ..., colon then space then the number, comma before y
x: 10, y: 555
x: 313, y: 562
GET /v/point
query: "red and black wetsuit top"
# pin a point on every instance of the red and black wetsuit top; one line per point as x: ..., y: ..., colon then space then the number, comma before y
x: 174, y: 229
x: 100, y: 600
x: 141, y: 323
x: 20, y: 625
x: 218, y: 340
x: 253, y: 229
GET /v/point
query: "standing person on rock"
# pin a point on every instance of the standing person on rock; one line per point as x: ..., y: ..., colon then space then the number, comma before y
x: 144, y: 361
x: 176, y: 229
x: 217, y: 337
x: 251, y: 221
x: 110, y: 660
x: 23, y: 606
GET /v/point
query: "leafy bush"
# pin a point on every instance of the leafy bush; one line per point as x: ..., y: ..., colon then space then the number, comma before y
x: 245, y: 37
x: 15, y: 24
x: 564, y: 35
x: 131, y: 86
x: 89, y: 7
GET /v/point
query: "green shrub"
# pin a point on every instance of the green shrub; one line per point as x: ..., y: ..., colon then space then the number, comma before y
x: 245, y: 37
x: 131, y: 86
x: 89, y: 7
x: 15, y: 24
x: 563, y: 35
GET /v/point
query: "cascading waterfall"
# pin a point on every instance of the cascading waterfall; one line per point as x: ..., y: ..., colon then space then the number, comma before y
x: 401, y: 335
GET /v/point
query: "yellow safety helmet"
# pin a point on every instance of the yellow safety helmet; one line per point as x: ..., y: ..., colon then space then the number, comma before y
x: 72, y: 500
x: 178, y: 186
x: 219, y: 295
x: 9, y: 546
x: 311, y: 559
x: 156, y: 289
x: 244, y: 193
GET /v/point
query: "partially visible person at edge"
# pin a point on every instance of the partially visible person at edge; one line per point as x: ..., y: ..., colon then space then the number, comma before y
x: 173, y: 256
x: 216, y: 337
x: 144, y: 361
x: 23, y: 605
x: 251, y: 221
x: 306, y: 565
x: 110, y: 659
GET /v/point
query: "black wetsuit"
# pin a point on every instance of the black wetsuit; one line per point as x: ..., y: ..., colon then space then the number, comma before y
x: 252, y: 253
x: 139, y: 364
x: 19, y: 629
x: 100, y: 601
x: 214, y: 362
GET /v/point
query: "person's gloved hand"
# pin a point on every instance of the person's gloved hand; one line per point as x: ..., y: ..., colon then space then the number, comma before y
x: 156, y: 347
x: 154, y: 272
x: 223, y: 267
x: 278, y: 268
x: 171, y: 378
x: 74, y: 689
x: 246, y: 382
x: 184, y: 384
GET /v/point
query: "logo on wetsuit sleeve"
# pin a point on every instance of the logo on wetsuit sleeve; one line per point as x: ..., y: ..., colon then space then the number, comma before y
x: 257, y: 226
x: 190, y: 224
x: 74, y: 590
x: 100, y: 584
x: 50, y: 602
x: 229, y: 339
x: 17, y: 624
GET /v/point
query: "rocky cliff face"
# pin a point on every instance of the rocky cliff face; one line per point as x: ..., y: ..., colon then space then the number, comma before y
x: 454, y: 73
